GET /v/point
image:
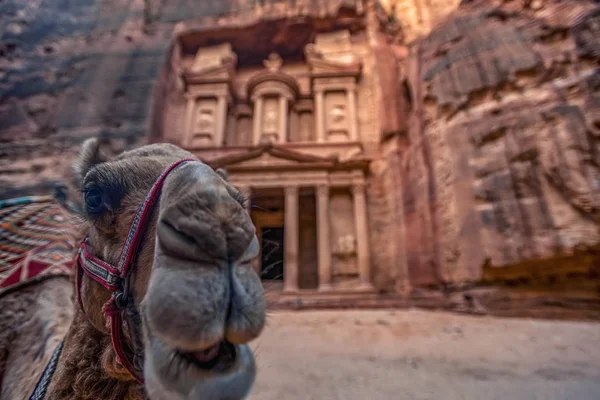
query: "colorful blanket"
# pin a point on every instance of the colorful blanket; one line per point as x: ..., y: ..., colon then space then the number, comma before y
x: 36, y: 240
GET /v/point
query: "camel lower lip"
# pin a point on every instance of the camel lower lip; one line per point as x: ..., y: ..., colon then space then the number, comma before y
x: 207, y: 355
x: 217, y: 358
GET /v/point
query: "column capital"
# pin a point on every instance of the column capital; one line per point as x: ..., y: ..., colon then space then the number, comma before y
x: 291, y: 189
x: 358, y: 188
x: 323, y: 189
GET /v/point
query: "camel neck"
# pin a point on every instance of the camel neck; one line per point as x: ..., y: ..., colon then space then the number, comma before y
x: 87, y: 368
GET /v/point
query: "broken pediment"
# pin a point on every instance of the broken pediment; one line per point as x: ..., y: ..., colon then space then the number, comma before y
x: 332, y: 54
x: 320, y: 65
x: 212, y: 64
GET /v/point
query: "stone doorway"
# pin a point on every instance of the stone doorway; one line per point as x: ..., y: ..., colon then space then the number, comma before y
x: 267, y: 213
x: 272, y: 251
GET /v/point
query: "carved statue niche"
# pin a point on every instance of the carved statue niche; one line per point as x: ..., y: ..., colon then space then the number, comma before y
x: 208, y: 83
x: 336, y: 122
x: 343, y: 229
x: 272, y: 93
x: 204, y: 122
x: 243, y: 132
x: 304, y: 128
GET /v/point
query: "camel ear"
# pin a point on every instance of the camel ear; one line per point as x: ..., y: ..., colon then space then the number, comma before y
x: 89, y: 156
x: 222, y: 172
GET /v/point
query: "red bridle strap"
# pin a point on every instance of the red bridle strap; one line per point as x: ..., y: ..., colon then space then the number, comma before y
x: 116, y: 278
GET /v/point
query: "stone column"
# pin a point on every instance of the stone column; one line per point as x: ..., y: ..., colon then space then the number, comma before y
x: 290, y: 274
x: 258, y: 114
x: 221, y: 119
x: 323, y: 243
x: 320, y: 115
x: 283, y: 119
x: 362, y: 236
x: 353, y: 122
x: 189, y: 120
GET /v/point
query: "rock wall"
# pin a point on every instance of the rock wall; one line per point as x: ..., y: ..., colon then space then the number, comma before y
x: 503, y: 165
x: 416, y: 18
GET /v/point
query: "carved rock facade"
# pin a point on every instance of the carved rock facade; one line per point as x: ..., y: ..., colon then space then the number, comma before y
x: 370, y: 161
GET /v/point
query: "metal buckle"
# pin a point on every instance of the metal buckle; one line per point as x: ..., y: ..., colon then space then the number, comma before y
x: 121, y: 296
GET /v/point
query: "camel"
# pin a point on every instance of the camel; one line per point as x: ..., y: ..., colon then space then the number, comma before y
x: 187, y: 310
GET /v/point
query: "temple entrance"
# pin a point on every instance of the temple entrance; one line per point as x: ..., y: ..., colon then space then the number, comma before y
x: 267, y: 212
x: 271, y: 267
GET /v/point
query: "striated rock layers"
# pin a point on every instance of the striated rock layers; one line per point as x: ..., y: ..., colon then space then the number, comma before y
x: 503, y: 166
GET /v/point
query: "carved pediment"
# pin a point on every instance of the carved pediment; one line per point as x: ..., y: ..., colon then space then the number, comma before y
x: 274, y: 157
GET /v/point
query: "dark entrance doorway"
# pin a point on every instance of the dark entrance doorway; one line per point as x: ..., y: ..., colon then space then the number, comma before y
x: 272, y: 253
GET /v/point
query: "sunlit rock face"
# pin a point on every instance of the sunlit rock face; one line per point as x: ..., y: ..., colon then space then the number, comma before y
x: 503, y: 163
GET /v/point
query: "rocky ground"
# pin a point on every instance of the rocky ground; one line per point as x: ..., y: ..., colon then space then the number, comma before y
x: 359, y: 355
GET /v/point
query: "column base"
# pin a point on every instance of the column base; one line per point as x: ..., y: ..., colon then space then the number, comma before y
x: 365, y: 287
x: 290, y: 290
x: 325, y: 287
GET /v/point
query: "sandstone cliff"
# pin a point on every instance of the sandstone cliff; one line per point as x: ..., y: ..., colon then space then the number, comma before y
x: 503, y: 165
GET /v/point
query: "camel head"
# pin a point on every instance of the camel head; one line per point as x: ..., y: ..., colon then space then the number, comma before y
x: 196, y: 298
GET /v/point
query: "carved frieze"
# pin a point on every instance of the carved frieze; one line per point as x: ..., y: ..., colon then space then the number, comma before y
x: 345, y: 246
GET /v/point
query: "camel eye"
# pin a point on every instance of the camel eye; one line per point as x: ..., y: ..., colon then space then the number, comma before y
x: 94, y: 201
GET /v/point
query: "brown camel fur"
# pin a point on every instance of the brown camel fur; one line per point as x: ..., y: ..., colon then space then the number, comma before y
x: 193, y: 285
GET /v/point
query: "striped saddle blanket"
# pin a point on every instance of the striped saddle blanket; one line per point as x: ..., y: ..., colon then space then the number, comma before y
x: 36, y: 240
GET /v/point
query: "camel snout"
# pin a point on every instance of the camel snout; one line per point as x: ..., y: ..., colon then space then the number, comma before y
x: 201, y: 220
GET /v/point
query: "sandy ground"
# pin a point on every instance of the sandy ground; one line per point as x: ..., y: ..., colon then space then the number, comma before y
x: 367, y: 355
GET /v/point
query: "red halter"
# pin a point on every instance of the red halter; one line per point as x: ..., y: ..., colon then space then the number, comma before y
x: 116, y: 278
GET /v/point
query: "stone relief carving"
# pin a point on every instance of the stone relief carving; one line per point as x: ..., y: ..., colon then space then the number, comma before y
x: 337, y: 114
x: 204, y: 121
x: 273, y: 63
x: 345, y: 246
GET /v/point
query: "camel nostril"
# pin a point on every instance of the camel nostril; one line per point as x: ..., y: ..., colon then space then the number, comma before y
x: 174, y: 231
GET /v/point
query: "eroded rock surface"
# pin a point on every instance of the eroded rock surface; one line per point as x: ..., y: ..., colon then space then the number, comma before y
x: 503, y: 165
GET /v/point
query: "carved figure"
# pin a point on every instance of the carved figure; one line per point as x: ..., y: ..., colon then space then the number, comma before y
x: 205, y: 121
x: 273, y: 63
